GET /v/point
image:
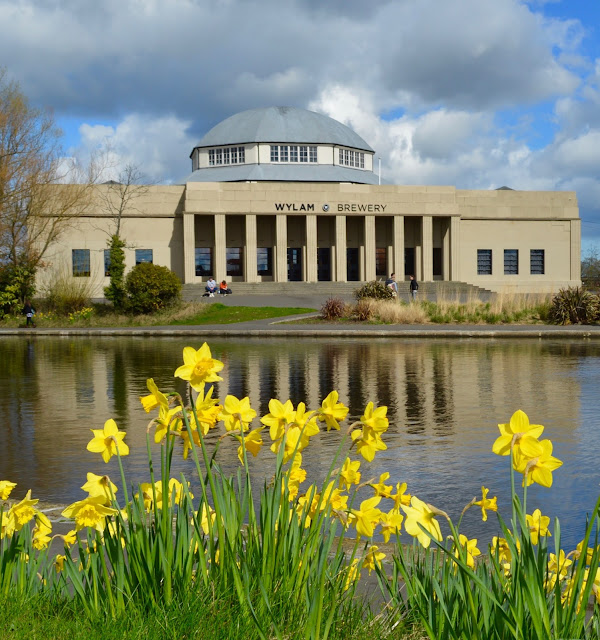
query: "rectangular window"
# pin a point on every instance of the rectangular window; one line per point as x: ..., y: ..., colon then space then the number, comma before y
x: 235, y: 257
x: 283, y: 153
x: 143, y: 255
x: 211, y: 157
x: 203, y: 259
x: 511, y: 262
x: 362, y: 160
x: 226, y: 153
x: 106, y: 263
x: 264, y: 261
x: 537, y: 262
x: 274, y: 153
x: 312, y: 154
x: 242, y: 154
x: 218, y: 156
x: 81, y: 263
x: 234, y: 155
x: 293, y: 153
x: 341, y: 159
x: 380, y: 261
x: 484, y: 262
x: 303, y: 154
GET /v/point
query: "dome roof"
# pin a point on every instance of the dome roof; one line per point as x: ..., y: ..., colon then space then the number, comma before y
x: 282, y: 124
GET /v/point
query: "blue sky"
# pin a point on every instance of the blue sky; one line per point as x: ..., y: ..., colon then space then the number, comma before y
x: 472, y: 93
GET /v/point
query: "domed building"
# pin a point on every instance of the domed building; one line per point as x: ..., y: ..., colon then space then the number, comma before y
x: 283, y: 194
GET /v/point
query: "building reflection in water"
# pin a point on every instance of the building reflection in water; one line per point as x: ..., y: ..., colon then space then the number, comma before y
x: 445, y: 400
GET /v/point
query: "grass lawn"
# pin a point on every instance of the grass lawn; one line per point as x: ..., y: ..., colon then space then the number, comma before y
x: 218, y: 313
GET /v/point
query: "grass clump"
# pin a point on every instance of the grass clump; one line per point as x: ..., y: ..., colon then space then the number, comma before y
x: 574, y: 305
x: 333, y: 309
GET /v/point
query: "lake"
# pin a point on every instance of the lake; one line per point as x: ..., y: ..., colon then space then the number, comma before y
x: 445, y: 399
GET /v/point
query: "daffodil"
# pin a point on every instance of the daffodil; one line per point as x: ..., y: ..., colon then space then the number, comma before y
x: 279, y: 416
x: 334, y: 498
x: 154, y: 399
x: 373, y: 558
x: 90, y: 512
x: 382, y: 489
x: 59, y: 563
x: 199, y: 367
x: 208, y: 412
x: 331, y: 411
x: 70, y: 538
x: 537, y: 525
x: 368, y: 442
x: 539, y: 468
x: 164, y: 421
x: 5, y: 488
x: 252, y: 442
x: 367, y: 516
x: 470, y: 547
x: 237, y: 414
x: 486, y: 504
x: 390, y: 524
x: 375, y: 418
x: 353, y: 574
x: 42, y: 531
x: 349, y: 474
x: 207, y: 518
x: 100, y: 486
x: 295, y: 477
x: 401, y: 497
x: 420, y: 513
x: 588, y: 553
x: 519, y: 434
x: 108, y: 441
x: 559, y: 566
x: 298, y: 432
x: 19, y: 515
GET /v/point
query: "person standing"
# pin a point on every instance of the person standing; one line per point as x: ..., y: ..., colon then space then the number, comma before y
x: 391, y: 283
x: 28, y: 312
x: 414, y: 287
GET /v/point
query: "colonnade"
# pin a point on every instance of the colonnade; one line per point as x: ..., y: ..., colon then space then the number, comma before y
x: 396, y: 242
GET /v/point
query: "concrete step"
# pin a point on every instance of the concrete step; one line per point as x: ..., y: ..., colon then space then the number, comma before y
x: 192, y: 292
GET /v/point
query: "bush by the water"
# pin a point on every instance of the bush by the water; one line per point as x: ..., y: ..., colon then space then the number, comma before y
x: 151, y: 287
x: 574, y: 305
x: 64, y: 295
x: 374, y: 289
x: 333, y: 309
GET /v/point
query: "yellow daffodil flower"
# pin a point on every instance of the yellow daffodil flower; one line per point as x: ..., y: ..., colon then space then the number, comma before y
x: 208, y: 412
x: 390, y: 524
x: 401, y: 497
x: 486, y: 504
x: 579, y: 552
x: 295, y: 477
x: 100, y: 486
x: 164, y: 421
x: 59, y: 563
x: 252, y: 442
x: 352, y: 575
x: 5, y: 488
x: 297, y: 432
x: 199, y: 367
x: 235, y: 410
x: 207, y: 518
x: 373, y: 558
x: 538, y: 469
x: 19, y: 515
x: 331, y: 411
x: 367, y: 516
x: 108, y: 441
x: 70, y: 538
x: 349, y: 474
x: 470, y: 546
x: 90, y: 512
x: 538, y: 525
x: 381, y: 489
x: 559, y: 566
x: 368, y: 442
x: 334, y: 498
x: 420, y: 513
x: 155, y: 398
x: 279, y: 416
x: 375, y: 418
x: 520, y: 434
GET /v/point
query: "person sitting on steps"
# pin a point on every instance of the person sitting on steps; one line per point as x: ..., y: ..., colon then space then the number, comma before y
x: 224, y: 289
x: 211, y: 287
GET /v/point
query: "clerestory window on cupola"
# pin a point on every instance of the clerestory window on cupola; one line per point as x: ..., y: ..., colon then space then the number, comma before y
x: 293, y: 153
x: 351, y: 158
x: 226, y: 155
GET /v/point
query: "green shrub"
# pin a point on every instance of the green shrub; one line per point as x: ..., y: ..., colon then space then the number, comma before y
x: 333, y: 309
x: 374, y: 289
x: 574, y: 306
x: 151, y: 287
x: 63, y: 294
x: 115, y: 292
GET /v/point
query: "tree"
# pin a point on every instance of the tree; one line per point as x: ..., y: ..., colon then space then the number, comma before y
x: 590, y: 266
x: 34, y: 207
x: 118, y: 198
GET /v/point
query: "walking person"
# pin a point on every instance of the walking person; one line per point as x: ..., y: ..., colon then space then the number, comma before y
x: 414, y: 287
x: 391, y: 283
x: 29, y: 312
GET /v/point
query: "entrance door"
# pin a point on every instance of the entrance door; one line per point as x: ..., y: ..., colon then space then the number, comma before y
x: 352, y: 271
x: 323, y: 264
x: 294, y: 263
x: 409, y: 261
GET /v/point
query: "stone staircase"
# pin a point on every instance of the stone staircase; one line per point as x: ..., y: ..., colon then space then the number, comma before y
x: 192, y: 292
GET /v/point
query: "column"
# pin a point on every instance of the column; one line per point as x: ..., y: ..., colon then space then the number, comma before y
x: 311, y: 248
x: 281, y: 249
x: 575, y: 251
x: 341, y: 268
x: 220, y: 262
x: 427, y: 243
x: 398, y: 242
x: 369, y: 264
x: 189, y: 248
x: 454, y: 248
x: 250, y: 250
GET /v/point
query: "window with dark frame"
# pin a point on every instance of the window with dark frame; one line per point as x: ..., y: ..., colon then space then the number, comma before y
x: 380, y: 261
x: 511, y: 262
x: 264, y: 261
x: 81, y: 263
x: 203, y: 261
x: 537, y: 259
x: 235, y: 257
x: 106, y: 263
x: 143, y: 255
x: 484, y: 262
